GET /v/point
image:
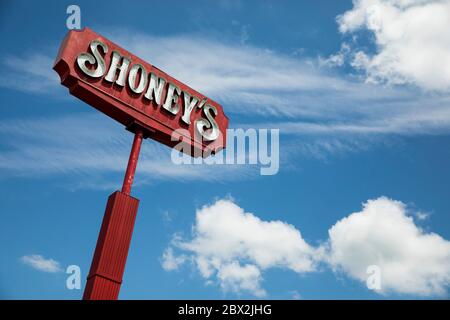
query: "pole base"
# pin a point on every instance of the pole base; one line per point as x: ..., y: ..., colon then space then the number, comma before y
x: 108, y: 264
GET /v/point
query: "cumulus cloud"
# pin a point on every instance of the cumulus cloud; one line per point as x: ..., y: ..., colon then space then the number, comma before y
x: 40, y: 263
x: 170, y: 261
x: 235, y: 247
x: 236, y: 278
x: 382, y: 234
x: 411, y: 40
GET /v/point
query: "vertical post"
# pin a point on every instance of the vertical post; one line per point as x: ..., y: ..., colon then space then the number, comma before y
x: 105, y: 276
x: 132, y: 162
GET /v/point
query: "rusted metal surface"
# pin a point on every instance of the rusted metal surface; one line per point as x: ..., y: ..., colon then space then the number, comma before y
x: 108, y: 264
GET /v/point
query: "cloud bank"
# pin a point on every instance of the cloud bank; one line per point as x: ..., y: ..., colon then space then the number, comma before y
x: 233, y: 248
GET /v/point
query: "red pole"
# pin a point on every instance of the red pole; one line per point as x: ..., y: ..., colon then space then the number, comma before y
x: 132, y: 162
x: 105, y: 276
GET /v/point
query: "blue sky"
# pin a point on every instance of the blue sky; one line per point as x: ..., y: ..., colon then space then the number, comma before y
x: 360, y: 123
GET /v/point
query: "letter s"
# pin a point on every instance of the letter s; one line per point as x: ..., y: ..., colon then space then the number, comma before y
x: 210, y: 123
x: 96, y: 57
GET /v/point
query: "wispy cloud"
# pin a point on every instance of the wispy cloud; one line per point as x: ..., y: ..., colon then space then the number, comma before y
x: 32, y: 73
x: 92, y: 147
x: 40, y: 263
x: 259, y: 88
x: 250, y: 80
x: 435, y: 119
x: 92, y: 152
x: 266, y: 84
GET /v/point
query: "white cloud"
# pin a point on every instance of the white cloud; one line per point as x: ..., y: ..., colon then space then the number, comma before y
x: 266, y: 84
x: 33, y: 73
x: 170, y: 261
x: 336, y: 59
x: 91, y: 146
x: 252, y: 80
x: 411, y: 260
x: 411, y: 39
x: 235, y: 247
x: 40, y: 263
x: 422, y: 215
x: 236, y: 278
x: 257, y: 87
x: 430, y: 120
x: 269, y: 86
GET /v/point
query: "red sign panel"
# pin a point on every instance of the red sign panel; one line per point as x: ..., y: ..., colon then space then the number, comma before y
x: 138, y: 94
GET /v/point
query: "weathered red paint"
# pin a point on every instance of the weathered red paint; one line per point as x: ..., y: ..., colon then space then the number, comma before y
x: 108, y: 264
x: 123, y: 105
x: 105, y: 277
x: 132, y: 162
x: 146, y: 119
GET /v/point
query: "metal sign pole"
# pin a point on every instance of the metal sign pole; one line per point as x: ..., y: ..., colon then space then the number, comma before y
x: 132, y: 162
x: 108, y: 263
x: 87, y: 64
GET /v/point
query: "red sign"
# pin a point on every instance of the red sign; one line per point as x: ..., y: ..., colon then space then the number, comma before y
x: 138, y: 94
